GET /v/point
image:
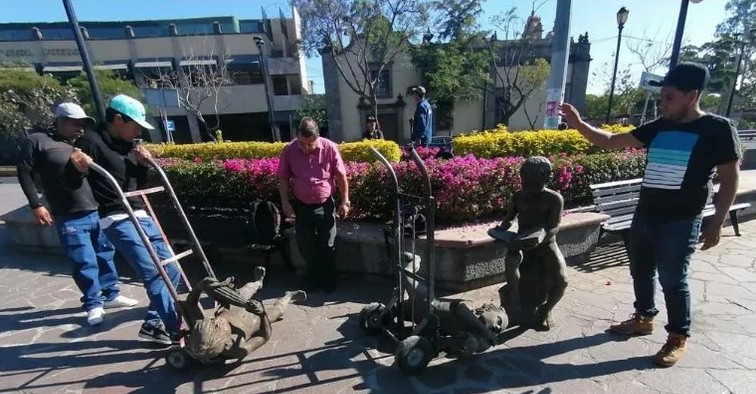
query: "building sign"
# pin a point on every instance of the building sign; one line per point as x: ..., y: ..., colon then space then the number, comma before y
x: 38, y: 54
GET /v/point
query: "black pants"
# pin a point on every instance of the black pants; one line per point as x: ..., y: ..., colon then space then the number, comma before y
x: 315, y: 227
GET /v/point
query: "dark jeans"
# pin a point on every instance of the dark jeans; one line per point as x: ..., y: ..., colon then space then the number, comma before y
x: 92, y: 254
x: 124, y: 236
x: 666, y: 246
x: 315, y: 227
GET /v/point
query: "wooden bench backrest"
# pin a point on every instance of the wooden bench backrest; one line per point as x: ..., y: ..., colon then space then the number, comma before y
x: 616, y: 198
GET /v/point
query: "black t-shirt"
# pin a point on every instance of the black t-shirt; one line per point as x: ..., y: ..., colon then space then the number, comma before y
x: 681, y: 161
x: 46, y: 153
x: 115, y: 157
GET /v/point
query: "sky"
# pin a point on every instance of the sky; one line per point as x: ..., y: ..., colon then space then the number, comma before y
x: 650, y: 22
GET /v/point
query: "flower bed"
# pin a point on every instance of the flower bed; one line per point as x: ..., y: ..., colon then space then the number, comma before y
x: 466, y: 188
x: 351, y: 151
x: 499, y: 142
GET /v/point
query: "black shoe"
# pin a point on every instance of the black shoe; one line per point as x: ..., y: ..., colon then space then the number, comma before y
x: 155, y: 335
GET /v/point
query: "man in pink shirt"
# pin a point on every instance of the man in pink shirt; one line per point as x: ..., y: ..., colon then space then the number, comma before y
x: 310, y: 165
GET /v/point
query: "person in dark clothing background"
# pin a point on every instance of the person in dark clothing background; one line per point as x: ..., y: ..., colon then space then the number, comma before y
x: 74, y: 211
x: 422, y: 130
x: 372, y: 129
x: 113, y: 149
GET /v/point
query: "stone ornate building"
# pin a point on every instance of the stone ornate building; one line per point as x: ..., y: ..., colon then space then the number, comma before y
x: 347, y: 112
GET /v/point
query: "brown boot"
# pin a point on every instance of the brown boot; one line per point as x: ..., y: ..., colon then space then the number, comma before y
x: 636, y: 325
x: 672, y: 351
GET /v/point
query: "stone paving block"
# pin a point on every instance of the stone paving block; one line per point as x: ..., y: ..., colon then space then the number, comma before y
x: 46, y: 347
x: 736, y: 381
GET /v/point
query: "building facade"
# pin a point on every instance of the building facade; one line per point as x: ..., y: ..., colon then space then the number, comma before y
x: 168, y: 58
x: 347, y: 112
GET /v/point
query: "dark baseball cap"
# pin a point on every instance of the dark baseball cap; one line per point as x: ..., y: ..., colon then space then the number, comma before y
x: 685, y: 77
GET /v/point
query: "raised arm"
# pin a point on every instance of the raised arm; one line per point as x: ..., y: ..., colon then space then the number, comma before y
x: 600, y: 138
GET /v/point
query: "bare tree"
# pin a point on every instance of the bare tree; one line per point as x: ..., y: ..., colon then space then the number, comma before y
x: 517, y: 69
x: 361, y: 37
x: 650, y: 53
x: 199, y: 79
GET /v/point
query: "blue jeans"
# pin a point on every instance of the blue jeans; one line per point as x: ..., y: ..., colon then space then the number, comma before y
x: 124, y: 236
x: 92, y: 254
x: 666, y: 246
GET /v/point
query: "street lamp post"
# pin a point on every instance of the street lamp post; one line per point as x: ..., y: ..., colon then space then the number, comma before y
x: 751, y: 35
x: 622, y: 15
x: 679, y: 31
x: 275, y: 135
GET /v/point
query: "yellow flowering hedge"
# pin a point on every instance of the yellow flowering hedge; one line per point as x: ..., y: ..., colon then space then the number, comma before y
x: 351, y: 151
x: 499, y: 142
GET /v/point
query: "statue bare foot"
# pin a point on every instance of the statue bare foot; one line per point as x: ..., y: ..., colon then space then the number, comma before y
x: 259, y: 273
x: 299, y: 295
x: 543, y: 320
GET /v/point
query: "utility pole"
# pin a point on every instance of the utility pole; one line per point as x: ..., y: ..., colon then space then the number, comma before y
x: 560, y: 52
x: 99, y: 105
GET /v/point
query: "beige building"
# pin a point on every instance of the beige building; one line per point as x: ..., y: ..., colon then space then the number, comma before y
x: 347, y: 113
x: 157, y: 54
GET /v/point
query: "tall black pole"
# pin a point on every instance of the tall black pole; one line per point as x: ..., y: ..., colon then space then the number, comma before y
x: 85, y: 58
x: 614, y: 75
x: 735, y: 81
x: 275, y: 134
x: 679, y: 33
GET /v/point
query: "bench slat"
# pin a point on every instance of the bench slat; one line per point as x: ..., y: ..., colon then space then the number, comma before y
x: 615, y: 184
x: 621, y: 211
x: 616, y: 190
x: 617, y: 197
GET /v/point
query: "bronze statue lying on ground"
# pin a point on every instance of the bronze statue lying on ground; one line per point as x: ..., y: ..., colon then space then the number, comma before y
x: 239, y: 326
x: 534, y: 267
x: 463, y: 330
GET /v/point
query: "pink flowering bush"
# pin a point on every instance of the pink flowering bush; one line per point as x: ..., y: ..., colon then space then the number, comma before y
x: 466, y: 188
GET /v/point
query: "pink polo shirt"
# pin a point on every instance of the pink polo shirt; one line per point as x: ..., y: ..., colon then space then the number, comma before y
x: 311, y: 175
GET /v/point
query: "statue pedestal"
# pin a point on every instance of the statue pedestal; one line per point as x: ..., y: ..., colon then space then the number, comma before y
x: 24, y: 232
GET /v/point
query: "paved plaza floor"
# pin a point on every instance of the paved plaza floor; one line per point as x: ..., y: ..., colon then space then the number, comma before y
x: 46, y: 346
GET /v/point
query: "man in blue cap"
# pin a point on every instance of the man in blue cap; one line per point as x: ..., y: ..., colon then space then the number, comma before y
x: 685, y: 147
x: 113, y: 149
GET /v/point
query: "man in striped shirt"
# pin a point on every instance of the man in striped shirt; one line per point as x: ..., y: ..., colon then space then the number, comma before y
x: 685, y: 147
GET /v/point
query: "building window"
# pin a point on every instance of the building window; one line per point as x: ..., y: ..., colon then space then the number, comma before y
x: 383, y: 83
x: 247, y: 77
x: 280, y: 85
x: 295, y: 84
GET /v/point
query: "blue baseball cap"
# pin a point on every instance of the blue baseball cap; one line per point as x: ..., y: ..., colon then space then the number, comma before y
x: 132, y: 108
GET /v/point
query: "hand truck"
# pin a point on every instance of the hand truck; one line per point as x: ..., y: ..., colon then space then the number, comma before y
x: 417, y: 343
x: 177, y: 356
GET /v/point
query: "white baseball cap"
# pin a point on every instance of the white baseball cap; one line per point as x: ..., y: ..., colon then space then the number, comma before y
x: 72, y: 111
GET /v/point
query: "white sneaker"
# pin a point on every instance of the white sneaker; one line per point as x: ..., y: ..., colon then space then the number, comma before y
x: 94, y: 316
x: 120, y: 302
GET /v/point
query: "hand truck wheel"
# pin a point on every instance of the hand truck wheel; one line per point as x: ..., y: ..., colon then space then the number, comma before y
x: 413, y: 354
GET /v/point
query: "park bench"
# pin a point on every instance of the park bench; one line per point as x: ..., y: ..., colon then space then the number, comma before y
x: 619, y: 199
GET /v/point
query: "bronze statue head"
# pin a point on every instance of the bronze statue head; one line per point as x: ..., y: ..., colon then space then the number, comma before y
x: 493, y: 317
x: 535, y: 173
x: 209, y: 338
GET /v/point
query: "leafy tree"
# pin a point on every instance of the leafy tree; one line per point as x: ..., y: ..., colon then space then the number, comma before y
x: 109, y: 83
x: 26, y: 100
x: 314, y: 107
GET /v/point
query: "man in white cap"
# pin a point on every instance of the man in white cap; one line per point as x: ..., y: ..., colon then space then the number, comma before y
x: 113, y: 149
x: 74, y: 211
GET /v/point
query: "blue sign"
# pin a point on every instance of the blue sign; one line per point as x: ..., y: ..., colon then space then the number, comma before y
x: 170, y: 125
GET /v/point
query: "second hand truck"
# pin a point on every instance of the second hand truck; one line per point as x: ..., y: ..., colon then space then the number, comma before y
x: 417, y: 342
